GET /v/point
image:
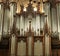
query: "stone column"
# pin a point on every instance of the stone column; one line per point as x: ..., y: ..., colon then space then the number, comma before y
x: 13, y: 45
x: 12, y: 13
x: 1, y: 18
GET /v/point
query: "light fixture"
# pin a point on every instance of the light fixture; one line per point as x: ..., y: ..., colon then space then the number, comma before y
x: 35, y: 6
x: 25, y: 9
x: 41, y: 7
x: 35, y: 9
x: 18, y: 9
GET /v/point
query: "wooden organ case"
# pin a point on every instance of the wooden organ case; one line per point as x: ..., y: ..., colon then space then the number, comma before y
x: 31, y: 44
x: 27, y: 33
x: 31, y: 37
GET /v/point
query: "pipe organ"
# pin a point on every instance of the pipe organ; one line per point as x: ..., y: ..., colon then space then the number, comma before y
x: 32, y: 30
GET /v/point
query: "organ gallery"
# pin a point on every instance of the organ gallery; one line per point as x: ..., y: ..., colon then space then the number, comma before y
x: 29, y: 27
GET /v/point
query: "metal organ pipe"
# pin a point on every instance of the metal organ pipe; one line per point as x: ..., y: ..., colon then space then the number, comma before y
x: 1, y: 19
x: 58, y: 13
x: 42, y: 21
x: 47, y: 20
x: 6, y: 19
x: 58, y: 17
x: 22, y: 25
x: 12, y: 13
x: 37, y: 24
x: 54, y: 21
x: 18, y: 22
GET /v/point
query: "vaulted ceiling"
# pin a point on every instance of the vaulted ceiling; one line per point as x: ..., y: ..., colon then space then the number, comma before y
x: 26, y: 1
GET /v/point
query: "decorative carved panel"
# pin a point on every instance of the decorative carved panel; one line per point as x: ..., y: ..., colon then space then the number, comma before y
x: 36, y: 38
x: 23, y: 38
